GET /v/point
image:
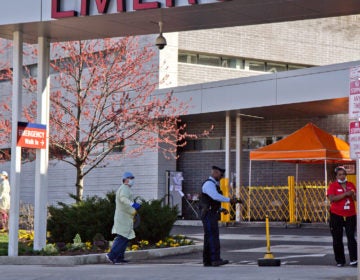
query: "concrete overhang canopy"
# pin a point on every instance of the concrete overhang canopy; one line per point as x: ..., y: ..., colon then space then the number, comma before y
x: 33, y: 17
x: 310, y: 92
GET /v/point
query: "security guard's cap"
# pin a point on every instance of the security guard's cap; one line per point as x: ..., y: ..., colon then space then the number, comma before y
x: 218, y: 168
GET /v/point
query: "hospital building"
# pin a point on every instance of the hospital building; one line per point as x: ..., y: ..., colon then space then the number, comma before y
x: 256, y: 85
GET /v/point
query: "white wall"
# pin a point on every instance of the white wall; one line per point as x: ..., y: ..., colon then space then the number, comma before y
x: 149, y: 170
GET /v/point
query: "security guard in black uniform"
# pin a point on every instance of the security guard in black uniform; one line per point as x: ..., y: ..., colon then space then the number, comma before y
x: 210, y: 204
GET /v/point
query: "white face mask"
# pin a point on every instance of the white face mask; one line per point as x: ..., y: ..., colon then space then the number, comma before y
x: 130, y: 182
x: 341, y: 181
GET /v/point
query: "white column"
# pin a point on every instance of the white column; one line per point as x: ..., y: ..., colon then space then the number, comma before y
x: 42, y: 155
x: 15, y: 151
x: 238, y: 164
x: 227, y: 144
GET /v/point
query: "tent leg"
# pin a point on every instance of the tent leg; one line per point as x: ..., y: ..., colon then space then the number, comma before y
x: 325, y: 174
x: 249, y: 191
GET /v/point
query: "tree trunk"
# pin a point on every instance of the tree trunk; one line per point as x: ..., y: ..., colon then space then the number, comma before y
x: 79, y: 184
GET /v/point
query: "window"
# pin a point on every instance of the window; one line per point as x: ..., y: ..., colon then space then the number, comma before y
x: 255, y: 142
x: 275, y: 67
x: 219, y: 143
x: 5, y: 154
x: 209, y: 144
x: 182, y: 57
x: 256, y: 65
x: 188, y: 58
x: 204, y: 144
x: 230, y: 63
x: 295, y: 67
x: 209, y: 60
x: 237, y: 63
x: 119, y: 146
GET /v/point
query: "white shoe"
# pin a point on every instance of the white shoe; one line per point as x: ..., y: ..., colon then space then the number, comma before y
x: 109, y: 260
x: 353, y: 263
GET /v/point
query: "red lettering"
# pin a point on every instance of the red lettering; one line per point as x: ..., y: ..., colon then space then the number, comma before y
x: 144, y: 6
x: 56, y: 13
x: 102, y: 6
x: 170, y: 3
x: 121, y: 6
x: 84, y: 8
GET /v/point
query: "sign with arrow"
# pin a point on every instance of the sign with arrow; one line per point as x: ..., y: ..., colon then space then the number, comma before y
x: 31, y: 135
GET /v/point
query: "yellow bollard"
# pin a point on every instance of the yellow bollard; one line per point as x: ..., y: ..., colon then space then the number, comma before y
x: 291, y: 184
x: 268, y: 259
x: 224, y: 186
x: 268, y: 254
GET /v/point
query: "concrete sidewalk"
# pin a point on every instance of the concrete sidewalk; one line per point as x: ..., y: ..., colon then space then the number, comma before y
x: 139, y: 271
x: 98, y: 258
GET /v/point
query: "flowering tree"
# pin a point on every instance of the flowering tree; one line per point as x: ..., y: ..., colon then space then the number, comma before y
x: 5, y: 112
x: 102, y: 100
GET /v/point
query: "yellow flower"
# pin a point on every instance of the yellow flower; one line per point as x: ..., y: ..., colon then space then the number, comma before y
x: 135, y: 247
x: 88, y: 245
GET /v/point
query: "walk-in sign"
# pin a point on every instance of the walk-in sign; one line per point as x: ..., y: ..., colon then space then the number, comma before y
x: 31, y: 135
x: 354, y: 139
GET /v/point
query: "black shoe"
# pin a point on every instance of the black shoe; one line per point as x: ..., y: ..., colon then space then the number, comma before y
x: 353, y: 263
x: 224, y: 261
x: 340, y: 265
x: 219, y: 262
x: 121, y: 262
x: 207, y: 264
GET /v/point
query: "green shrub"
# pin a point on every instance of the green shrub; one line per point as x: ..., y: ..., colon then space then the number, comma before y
x: 88, y: 218
x: 94, y: 217
x: 157, y: 221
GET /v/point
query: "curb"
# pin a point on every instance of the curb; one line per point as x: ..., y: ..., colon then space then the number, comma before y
x: 246, y: 224
x: 97, y: 258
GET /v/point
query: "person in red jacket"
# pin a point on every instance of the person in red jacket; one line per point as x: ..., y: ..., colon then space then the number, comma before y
x: 342, y: 196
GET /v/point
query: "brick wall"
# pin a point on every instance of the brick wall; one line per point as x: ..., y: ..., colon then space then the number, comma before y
x: 310, y: 42
x: 196, y: 166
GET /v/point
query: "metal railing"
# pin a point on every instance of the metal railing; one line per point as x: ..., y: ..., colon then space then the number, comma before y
x: 305, y: 202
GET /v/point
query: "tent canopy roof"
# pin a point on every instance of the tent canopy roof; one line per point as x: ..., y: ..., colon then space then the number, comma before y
x: 309, y: 144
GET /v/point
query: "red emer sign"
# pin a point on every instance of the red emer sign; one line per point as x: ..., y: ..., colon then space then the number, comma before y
x: 31, y: 135
x: 103, y: 5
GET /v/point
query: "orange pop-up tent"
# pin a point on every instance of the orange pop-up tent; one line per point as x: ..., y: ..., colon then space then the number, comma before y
x: 309, y: 144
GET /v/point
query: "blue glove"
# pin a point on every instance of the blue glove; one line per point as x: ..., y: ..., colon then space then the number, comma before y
x: 136, y: 206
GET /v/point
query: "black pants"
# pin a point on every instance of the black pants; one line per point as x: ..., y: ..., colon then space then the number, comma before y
x: 211, y: 237
x: 337, y: 223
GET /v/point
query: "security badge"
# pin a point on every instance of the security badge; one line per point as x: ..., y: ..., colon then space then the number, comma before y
x: 347, y: 202
x: 347, y: 205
